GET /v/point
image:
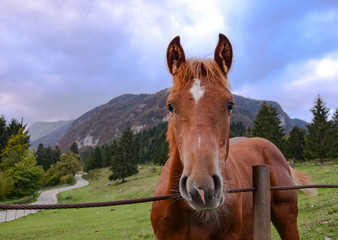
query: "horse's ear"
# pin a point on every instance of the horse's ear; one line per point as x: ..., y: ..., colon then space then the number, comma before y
x: 223, y: 53
x: 175, y: 55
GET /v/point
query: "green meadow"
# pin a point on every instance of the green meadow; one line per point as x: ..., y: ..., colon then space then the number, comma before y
x: 317, y: 215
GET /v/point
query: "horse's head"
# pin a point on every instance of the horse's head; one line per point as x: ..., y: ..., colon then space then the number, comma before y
x: 200, y: 105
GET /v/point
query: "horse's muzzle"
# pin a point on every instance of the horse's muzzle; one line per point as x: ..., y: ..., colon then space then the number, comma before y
x: 206, y: 194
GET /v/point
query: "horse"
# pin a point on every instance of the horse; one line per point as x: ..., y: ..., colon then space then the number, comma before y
x: 203, y: 162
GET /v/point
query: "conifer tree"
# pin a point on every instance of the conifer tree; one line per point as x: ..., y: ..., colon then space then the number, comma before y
x: 296, y: 143
x: 46, y: 157
x: 160, y: 155
x: 334, y: 134
x: 106, y: 156
x: 96, y: 158
x: 125, y: 156
x: 74, y: 148
x: 40, y: 154
x: 153, y: 144
x: 318, y: 140
x: 3, y: 134
x: 237, y: 129
x: 267, y: 125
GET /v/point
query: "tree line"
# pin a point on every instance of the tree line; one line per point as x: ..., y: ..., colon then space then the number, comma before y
x: 24, y: 171
x: 122, y: 156
x: 319, y: 139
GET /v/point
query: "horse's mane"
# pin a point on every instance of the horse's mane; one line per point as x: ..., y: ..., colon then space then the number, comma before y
x: 206, y: 69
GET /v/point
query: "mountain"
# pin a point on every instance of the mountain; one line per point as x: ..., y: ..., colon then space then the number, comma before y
x: 246, y: 110
x: 106, y: 122
x: 48, y: 133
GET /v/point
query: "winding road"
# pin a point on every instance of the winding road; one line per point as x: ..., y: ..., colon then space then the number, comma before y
x: 46, y: 197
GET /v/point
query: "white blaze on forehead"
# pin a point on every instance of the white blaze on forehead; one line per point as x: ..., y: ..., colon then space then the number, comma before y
x: 196, y: 90
x: 199, y: 142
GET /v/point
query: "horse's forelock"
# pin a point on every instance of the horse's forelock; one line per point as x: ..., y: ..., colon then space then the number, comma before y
x: 206, y: 69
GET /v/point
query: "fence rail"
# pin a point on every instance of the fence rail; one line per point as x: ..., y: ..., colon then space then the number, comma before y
x: 143, y: 200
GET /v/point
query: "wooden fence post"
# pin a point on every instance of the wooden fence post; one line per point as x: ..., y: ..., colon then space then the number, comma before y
x: 261, y: 202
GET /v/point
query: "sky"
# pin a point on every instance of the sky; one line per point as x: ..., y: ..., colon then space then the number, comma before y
x: 60, y: 58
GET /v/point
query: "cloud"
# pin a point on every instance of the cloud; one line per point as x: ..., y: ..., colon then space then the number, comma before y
x: 296, y: 87
x: 321, y: 73
x: 59, y: 59
x: 309, y: 79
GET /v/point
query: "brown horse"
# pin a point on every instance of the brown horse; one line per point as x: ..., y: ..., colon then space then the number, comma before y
x: 203, y: 161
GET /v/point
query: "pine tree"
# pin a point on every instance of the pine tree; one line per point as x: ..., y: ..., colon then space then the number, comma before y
x: 161, y: 150
x: 296, y: 143
x: 106, y: 156
x: 267, y: 125
x: 74, y: 148
x: 153, y: 145
x: 96, y: 158
x: 56, y: 154
x: 334, y: 134
x: 40, y: 154
x: 89, y: 162
x: 3, y: 134
x: 125, y: 156
x: 47, y: 156
x: 237, y: 129
x: 317, y: 142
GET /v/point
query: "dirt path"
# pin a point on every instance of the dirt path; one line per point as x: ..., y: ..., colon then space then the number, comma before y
x: 47, y: 197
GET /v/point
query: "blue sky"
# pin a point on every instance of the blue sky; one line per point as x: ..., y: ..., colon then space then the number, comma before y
x: 59, y: 59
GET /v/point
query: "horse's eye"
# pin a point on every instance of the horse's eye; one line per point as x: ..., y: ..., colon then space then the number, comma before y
x: 230, y: 106
x: 170, y: 107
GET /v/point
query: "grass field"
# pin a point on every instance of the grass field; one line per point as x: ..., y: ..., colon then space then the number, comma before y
x: 317, y: 217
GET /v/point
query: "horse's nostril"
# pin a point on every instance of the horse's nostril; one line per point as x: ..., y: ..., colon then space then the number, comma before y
x: 217, y: 184
x: 184, y: 180
x: 183, y: 187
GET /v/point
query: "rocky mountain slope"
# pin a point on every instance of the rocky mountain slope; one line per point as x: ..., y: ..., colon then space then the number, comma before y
x: 108, y: 121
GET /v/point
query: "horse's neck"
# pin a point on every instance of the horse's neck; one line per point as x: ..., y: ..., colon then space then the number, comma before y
x: 175, y: 171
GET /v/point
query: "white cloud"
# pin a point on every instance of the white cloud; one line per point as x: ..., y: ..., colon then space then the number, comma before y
x: 314, y: 74
x: 296, y: 87
x: 152, y: 26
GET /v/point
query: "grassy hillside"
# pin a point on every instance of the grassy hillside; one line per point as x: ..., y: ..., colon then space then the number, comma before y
x: 317, y: 218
